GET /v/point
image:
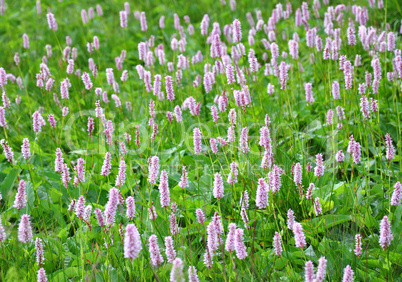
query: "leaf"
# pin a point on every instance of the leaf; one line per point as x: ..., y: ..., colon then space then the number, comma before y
x: 65, y: 274
x: 314, y: 125
x: 8, y: 183
x: 339, y: 188
x: 369, y: 220
x: 72, y: 246
x: 395, y: 258
x: 30, y: 193
x: 280, y: 263
x: 63, y: 234
x: 310, y: 251
x: 327, y: 205
x: 327, y: 221
x: 43, y: 194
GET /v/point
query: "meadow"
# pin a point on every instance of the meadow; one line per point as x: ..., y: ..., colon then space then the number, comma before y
x: 200, y: 140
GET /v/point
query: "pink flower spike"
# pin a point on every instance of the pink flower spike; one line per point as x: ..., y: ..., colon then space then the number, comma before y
x: 396, y: 195
x: 208, y: 259
x: 37, y: 122
x: 3, y: 77
x: 162, y: 22
x: 25, y: 39
x: 291, y: 219
x: 335, y: 90
x: 51, y: 21
x: 111, y: 206
x: 214, y: 147
x: 365, y: 107
x: 80, y: 170
x: 25, y: 230
x: 65, y: 175
x: 232, y: 177
x: 80, y: 207
x: 87, y: 81
x: 84, y: 16
x: 90, y: 126
x: 3, y: 122
x: 348, y: 274
x: 99, y: 217
x: 121, y: 177
x: 214, y: 113
x: 270, y: 89
x: 300, y: 239
x: 309, y: 93
x: 176, y: 274
x: 309, y: 194
x: 192, y: 274
x: 143, y: 22
x: 298, y: 174
x: 132, y: 242
x: 265, y: 138
x: 25, y: 150
x: 173, y: 224
x: 391, y: 41
x: 200, y: 216
x: 197, y: 141
x: 21, y: 197
x: 385, y: 233
x: 244, y: 200
x: 153, y: 169
x: 309, y: 272
x: 164, y: 189
x: 340, y: 157
x: 230, y: 238
x: 106, y: 167
x: 244, y: 140
x: 294, y: 49
x: 390, y: 150
x: 184, y: 178
x: 321, y: 269
x: 319, y: 169
x: 169, y: 249
x: 156, y: 257
x: 351, y: 36
x: 178, y: 114
x: 262, y: 194
x: 358, y: 245
x: 39, y: 252
x: 169, y: 88
x: 277, y: 242
x: 212, y: 238
x: 42, y: 275
x: 236, y: 31
x: 356, y: 152
x: 2, y: 232
x: 230, y: 74
x: 52, y: 121
x: 317, y: 207
x: 240, y: 247
x: 96, y: 42
x: 123, y: 19
x: 330, y: 115
x: 218, y: 186
x: 152, y: 213
x: 130, y: 203
x: 8, y: 152
x: 283, y: 77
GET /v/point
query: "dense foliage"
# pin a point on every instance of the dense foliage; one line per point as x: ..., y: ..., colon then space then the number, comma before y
x: 200, y: 140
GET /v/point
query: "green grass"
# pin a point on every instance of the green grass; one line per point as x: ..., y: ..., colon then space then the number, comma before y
x: 354, y: 198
